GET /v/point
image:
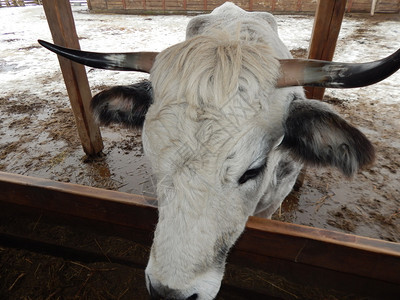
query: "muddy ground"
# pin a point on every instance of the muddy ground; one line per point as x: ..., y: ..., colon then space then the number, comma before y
x: 38, y: 137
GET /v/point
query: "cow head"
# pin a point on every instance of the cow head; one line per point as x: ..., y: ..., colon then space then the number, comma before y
x: 211, y: 139
x: 227, y: 133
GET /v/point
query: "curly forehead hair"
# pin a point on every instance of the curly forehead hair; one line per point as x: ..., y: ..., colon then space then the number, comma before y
x: 210, y: 69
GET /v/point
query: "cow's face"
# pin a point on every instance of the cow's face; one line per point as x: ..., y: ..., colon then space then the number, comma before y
x: 205, y: 197
x: 212, y: 141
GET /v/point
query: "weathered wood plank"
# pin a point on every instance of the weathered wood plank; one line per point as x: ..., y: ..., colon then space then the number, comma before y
x: 79, y: 201
x: 62, y: 27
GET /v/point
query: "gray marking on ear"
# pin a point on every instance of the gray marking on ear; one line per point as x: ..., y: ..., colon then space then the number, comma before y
x: 316, y: 135
x: 126, y: 105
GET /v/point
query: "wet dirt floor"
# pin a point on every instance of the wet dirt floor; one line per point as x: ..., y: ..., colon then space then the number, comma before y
x: 38, y: 137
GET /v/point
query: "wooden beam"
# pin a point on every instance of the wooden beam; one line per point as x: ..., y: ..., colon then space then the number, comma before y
x: 328, y: 20
x: 62, y: 27
x: 349, y: 5
x: 265, y: 244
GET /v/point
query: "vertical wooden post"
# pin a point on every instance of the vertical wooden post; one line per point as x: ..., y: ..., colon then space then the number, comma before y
x: 373, y: 7
x: 327, y: 23
x: 328, y: 20
x: 273, y: 5
x: 62, y: 27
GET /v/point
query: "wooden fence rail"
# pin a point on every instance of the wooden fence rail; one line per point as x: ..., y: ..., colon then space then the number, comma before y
x: 9, y: 3
x: 199, y: 6
x: 19, y: 2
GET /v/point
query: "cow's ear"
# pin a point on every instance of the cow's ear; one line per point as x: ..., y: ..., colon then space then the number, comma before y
x: 316, y: 135
x: 125, y: 105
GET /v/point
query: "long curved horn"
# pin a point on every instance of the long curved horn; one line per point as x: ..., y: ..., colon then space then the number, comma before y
x: 303, y: 72
x: 133, y: 61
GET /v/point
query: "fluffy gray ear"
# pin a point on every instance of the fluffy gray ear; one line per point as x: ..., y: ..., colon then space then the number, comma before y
x: 316, y: 135
x: 125, y: 105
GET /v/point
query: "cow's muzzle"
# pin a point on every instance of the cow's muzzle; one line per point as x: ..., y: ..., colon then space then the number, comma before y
x: 158, y: 291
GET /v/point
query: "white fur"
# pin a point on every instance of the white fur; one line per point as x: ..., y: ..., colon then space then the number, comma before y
x: 215, y: 114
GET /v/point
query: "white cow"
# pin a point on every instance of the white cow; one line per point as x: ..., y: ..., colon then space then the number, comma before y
x: 227, y: 131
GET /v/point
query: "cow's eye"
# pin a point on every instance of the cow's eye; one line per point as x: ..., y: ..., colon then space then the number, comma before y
x: 251, y: 174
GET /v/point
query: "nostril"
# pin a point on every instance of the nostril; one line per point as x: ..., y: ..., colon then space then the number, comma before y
x: 158, y: 291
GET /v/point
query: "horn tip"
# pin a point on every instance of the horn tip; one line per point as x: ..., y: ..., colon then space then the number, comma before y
x: 44, y: 43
